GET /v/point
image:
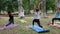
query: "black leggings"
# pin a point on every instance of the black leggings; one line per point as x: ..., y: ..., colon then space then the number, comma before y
x: 55, y: 19
x: 10, y: 22
x: 37, y: 21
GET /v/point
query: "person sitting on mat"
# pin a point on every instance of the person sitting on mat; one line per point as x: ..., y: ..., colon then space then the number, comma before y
x: 57, y: 17
x: 22, y: 14
x: 11, y: 18
x: 36, y: 16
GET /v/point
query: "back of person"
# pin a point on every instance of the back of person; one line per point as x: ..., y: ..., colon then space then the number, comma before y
x: 36, y: 15
x: 57, y: 15
x: 11, y: 17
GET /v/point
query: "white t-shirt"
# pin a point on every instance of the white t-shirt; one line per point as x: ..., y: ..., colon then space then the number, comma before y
x: 22, y: 14
x: 36, y: 15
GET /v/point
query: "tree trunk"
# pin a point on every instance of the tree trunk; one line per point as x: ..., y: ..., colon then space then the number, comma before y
x: 56, y: 4
x: 0, y: 11
x: 29, y: 7
x: 43, y: 8
x: 20, y: 8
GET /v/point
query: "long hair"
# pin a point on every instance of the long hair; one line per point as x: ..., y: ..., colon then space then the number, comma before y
x: 37, y: 8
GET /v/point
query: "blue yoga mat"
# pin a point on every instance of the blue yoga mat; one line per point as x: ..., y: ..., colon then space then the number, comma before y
x: 38, y: 29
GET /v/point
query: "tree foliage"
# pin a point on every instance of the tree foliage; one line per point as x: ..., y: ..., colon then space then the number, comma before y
x: 14, y: 4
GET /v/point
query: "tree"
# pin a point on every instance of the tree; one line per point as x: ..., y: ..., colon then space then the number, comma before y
x: 20, y: 8
x: 29, y: 6
x: 26, y: 4
x: 1, y: 5
x: 43, y: 8
x: 9, y: 7
x: 50, y: 4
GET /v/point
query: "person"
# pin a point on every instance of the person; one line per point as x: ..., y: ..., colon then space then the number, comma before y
x: 11, y: 18
x: 22, y: 14
x: 57, y: 16
x: 36, y: 16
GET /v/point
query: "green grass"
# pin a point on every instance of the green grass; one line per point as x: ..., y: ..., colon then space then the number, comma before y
x: 21, y: 28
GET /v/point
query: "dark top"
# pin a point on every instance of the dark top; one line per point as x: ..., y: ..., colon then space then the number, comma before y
x: 11, y: 18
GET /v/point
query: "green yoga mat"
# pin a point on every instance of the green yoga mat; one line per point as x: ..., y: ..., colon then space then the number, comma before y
x: 57, y: 22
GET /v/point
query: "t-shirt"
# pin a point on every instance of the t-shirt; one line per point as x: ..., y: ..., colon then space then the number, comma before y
x: 36, y: 15
x: 11, y: 18
x: 57, y: 15
x: 22, y: 14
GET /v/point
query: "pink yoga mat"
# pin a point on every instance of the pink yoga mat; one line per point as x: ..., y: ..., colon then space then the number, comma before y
x: 58, y: 26
x: 8, y: 27
x: 54, y: 25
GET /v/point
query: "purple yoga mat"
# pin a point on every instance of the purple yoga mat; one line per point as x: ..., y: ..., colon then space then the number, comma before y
x: 8, y: 27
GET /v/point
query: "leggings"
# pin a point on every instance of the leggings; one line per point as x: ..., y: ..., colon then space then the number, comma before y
x: 37, y: 21
x: 55, y: 19
x: 10, y: 22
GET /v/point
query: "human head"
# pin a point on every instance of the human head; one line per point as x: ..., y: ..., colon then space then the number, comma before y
x: 9, y: 12
x: 37, y: 8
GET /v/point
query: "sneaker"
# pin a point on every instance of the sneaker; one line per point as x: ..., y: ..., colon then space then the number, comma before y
x: 41, y: 26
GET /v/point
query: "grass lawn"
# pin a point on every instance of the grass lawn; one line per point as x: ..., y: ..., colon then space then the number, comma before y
x: 21, y: 28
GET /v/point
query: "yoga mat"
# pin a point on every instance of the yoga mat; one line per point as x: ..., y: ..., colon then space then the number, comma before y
x: 38, y: 29
x: 8, y: 27
x: 54, y: 25
x: 58, y: 26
